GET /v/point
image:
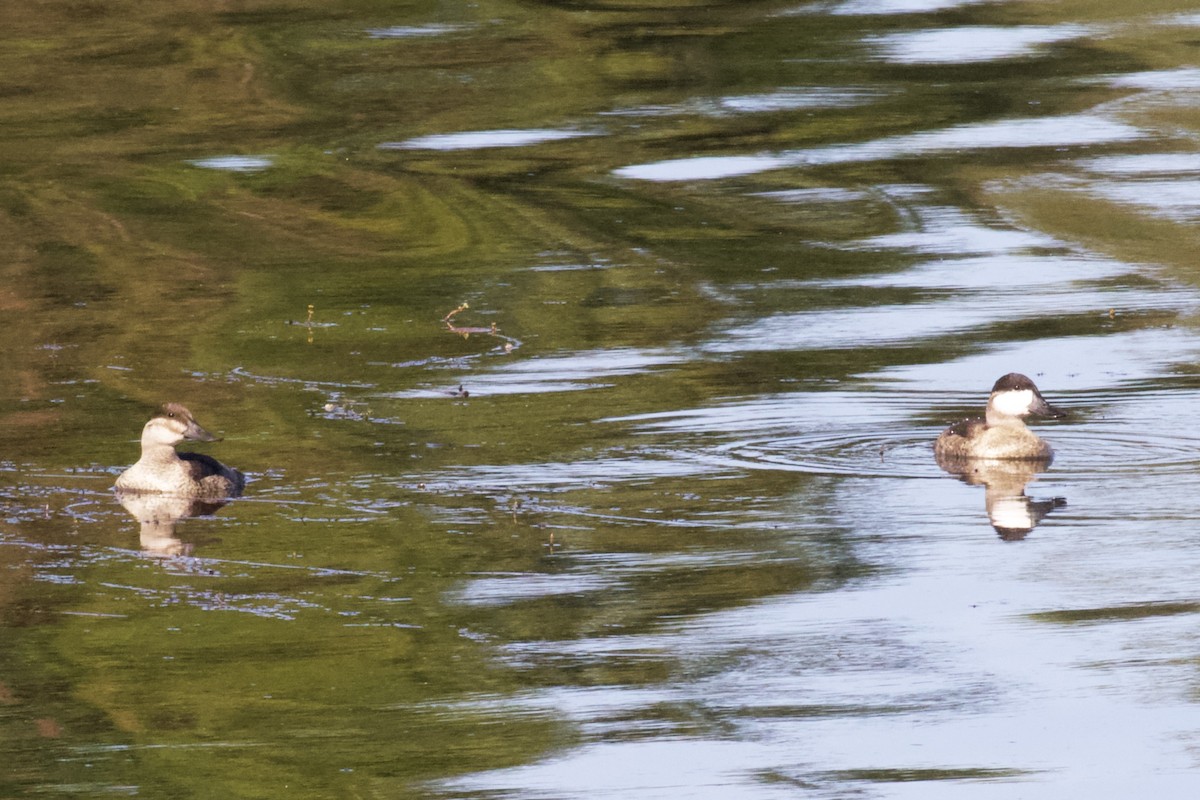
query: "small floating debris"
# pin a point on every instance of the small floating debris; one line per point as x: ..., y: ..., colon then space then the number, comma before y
x: 340, y: 408
x: 466, y: 332
x: 338, y: 411
x: 309, y: 322
x: 235, y: 163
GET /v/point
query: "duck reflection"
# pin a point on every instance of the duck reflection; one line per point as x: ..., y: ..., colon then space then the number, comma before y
x: 1012, y: 513
x: 157, y: 514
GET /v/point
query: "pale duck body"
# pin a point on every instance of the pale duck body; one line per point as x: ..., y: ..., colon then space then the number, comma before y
x: 1002, y: 433
x: 162, y: 470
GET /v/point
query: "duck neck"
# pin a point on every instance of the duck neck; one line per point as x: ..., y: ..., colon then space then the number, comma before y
x: 997, y: 420
x: 154, y: 451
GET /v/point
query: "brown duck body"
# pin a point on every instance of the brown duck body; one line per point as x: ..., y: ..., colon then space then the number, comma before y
x: 1001, y: 434
x: 162, y: 470
x: 975, y: 438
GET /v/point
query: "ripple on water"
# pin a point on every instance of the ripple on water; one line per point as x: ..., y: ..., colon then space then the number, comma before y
x: 862, y: 433
x: 783, y: 99
x: 1091, y: 450
x: 589, y: 369
x: 914, y: 323
x: 1137, y: 429
x: 887, y: 454
x: 1127, y: 429
x: 273, y: 380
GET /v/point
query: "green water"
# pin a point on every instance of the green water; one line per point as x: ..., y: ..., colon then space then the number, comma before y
x: 584, y: 360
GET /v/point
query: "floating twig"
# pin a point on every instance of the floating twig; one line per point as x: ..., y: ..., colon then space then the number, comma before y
x: 465, y: 332
x: 446, y: 319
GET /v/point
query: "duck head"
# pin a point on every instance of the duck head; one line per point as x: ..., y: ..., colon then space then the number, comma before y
x: 1015, y: 396
x: 171, y: 425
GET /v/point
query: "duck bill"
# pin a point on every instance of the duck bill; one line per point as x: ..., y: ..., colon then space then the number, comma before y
x: 197, y: 434
x: 1044, y: 409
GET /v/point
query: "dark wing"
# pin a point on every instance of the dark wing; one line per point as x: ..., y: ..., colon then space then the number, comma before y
x: 211, y: 473
x: 200, y: 466
x: 966, y: 428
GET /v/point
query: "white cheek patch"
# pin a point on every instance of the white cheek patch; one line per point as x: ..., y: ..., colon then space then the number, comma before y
x: 1015, y: 403
x: 163, y: 434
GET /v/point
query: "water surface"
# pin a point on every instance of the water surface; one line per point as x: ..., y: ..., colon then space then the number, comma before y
x: 584, y: 360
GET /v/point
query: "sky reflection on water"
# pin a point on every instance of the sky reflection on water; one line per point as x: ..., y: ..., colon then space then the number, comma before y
x: 1074, y: 131
x: 969, y: 44
x: 473, y: 140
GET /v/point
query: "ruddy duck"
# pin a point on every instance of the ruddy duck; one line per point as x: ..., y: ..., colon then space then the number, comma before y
x: 1001, y: 434
x: 161, y: 470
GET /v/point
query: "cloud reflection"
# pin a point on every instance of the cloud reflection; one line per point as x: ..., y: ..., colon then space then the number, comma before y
x: 235, y: 163
x: 415, y: 31
x: 972, y: 43
x: 477, y: 140
x: 873, y: 7
x: 1063, y: 131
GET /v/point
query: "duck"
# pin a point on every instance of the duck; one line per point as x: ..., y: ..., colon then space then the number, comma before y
x: 162, y: 470
x: 1001, y: 434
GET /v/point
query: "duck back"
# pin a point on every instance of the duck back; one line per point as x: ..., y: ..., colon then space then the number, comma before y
x: 214, y: 477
